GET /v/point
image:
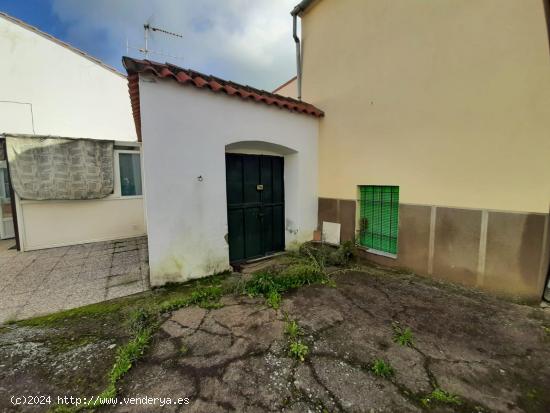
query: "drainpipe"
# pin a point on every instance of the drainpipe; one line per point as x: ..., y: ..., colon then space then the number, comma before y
x: 304, y: 4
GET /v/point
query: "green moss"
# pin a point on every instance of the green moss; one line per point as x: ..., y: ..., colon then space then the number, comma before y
x: 92, y: 310
x: 61, y: 344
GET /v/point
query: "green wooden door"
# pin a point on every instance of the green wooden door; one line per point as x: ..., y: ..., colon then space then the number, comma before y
x: 255, y: 205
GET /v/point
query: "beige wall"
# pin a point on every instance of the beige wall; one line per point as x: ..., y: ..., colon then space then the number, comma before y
x: 288, y: 89
x: 55, y: 223
x: 449, y: 99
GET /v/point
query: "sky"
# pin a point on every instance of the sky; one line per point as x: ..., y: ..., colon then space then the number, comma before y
x: 247, y: 41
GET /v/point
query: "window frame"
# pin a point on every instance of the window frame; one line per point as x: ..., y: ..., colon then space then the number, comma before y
x: 5, y: 179
x: 359, y: 218
x: 117, y: 189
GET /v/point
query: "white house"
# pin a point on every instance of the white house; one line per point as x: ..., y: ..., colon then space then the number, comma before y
x: 230, y: 171
x: 49, y: 88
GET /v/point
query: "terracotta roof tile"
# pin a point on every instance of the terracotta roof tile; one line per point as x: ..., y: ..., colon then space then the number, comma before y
x: 186, y: 76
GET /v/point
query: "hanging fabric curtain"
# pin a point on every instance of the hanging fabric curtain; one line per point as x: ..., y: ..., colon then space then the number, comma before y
x: 43, y: 168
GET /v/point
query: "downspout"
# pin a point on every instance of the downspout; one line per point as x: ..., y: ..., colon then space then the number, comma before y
x: 298, y: 54
x: 304, y: 4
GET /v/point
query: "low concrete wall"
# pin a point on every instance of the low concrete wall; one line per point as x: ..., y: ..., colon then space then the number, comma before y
x: 502, y: 252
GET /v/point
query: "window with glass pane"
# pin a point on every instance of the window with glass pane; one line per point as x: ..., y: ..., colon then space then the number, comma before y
x: 379, y: 216
x: 130, y: 174
x: 5, y: 201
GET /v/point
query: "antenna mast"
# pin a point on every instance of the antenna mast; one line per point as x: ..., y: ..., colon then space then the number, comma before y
x: 146, y: 28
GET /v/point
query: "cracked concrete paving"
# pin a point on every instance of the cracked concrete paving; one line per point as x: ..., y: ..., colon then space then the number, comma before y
x: 41, y: 282
x: 493, y: 354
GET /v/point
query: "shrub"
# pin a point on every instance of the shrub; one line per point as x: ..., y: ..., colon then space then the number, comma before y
x: 343, y: 255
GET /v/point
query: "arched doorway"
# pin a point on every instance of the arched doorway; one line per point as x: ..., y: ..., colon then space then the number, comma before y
x: 255, y: 188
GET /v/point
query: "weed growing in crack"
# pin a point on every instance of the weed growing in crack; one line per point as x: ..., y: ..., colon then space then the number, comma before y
x: 273, y: 300
x: 292, y: 329
x: 402, y: 336
x: 382, y: 368
x: 184, y: 349
x: 440, y: 396
x: 298, y: 350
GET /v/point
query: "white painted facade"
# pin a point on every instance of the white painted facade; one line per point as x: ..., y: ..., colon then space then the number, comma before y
x: 48, y: 88
x: 186, y: 133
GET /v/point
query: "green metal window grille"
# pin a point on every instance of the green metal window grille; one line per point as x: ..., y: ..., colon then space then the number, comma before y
x: 379, y: 217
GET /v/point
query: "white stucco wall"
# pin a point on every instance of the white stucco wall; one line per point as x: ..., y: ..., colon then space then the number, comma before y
x: 59, y: 91
x: 185, y: 133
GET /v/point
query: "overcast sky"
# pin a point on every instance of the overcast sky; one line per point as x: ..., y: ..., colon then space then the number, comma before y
x: 248, y: 41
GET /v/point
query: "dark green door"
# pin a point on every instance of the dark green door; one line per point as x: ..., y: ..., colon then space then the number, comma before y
x: 255, y: 205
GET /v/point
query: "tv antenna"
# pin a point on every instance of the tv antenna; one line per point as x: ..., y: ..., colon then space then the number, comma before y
x: 147, y: 29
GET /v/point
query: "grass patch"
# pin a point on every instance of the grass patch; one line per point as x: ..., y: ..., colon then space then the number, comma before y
x: 272, y: 283
x: 203, y: 296
x: 440, y: 396
x: 382, y: 368
x: 126, y: 356
x: 298, y: 350
x: 402, y: 336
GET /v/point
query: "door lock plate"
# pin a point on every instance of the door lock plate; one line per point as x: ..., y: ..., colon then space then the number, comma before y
x: 259, y: 187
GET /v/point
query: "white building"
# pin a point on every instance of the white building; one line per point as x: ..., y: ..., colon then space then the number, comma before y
x: 230, y: 171
x: 48, y: 87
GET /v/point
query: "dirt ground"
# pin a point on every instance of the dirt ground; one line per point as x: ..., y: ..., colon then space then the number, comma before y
x: 494, y: 356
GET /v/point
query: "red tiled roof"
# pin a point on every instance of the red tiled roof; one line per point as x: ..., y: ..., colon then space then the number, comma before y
x: 190, y: 77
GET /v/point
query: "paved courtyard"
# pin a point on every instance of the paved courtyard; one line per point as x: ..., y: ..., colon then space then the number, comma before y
x: 465, y: 352
x: 42, y: 282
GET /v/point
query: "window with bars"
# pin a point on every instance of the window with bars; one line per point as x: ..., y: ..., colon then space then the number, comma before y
x: 379, y: 217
